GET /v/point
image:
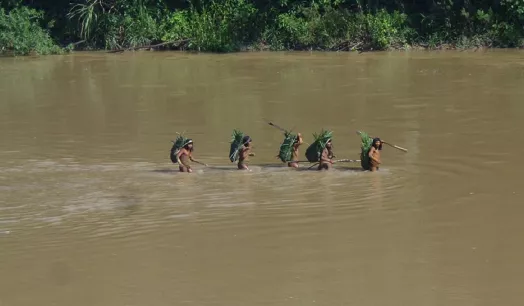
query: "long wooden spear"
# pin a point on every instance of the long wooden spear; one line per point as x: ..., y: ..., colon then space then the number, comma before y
x: 389, y: 144
x: 339, y: 161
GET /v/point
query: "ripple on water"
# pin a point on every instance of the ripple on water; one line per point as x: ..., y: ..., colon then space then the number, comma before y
x: 131, y: 199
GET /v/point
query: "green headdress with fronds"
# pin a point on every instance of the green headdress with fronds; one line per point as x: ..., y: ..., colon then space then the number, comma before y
x: 314, y: 151
x: 366, y: 143
x: 286, y: 148
x: 236, y: 145
x: 178, y: 144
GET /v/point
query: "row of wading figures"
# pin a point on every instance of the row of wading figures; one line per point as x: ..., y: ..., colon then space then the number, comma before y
x: 320, y: 152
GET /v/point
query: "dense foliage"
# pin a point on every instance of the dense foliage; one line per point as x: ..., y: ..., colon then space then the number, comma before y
x: 231, y: 25
x: 21, y: 33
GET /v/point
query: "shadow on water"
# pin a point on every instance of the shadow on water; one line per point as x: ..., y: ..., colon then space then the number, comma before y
x: 269, y: 167
x: 166, y: 171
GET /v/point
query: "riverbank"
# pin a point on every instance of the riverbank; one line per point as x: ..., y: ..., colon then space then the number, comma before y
x: 239, y: 25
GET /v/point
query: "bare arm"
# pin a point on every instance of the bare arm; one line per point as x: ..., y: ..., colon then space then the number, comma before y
x: 178, y: 154
x: 246, y: 151
x: 196, y: 161
x: 300, y: 140
x: 371, y: 154
x: 191, y: 157
x: 324, y: 157
x: 297, y: 144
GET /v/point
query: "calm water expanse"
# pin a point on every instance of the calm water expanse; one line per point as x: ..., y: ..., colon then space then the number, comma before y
x: 92, y: 211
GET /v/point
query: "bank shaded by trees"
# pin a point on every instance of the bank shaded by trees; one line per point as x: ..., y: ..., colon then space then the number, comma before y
x: 54, y: 26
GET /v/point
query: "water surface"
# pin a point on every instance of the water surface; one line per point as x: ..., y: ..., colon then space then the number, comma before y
x: 92, y: 212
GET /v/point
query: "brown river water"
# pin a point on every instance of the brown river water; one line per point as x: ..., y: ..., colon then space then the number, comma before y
x: 93, y: 212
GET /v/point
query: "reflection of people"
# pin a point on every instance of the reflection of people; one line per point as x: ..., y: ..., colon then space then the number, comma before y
x: 298, y: 142
x: 245, y: 152
x: 326, y: 161
x: 374, y: 155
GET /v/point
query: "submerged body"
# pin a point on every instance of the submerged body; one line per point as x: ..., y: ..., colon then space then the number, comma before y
x: 374, y: 155
x: 184, y: 156
x: 294, y: 160
x: 244, y: 154
x: 326, y: 158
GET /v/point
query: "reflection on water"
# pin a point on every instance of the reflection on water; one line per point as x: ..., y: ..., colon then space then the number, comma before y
x: 92, y: 212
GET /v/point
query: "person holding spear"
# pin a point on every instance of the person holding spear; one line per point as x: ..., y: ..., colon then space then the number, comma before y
x: 370, y: 151
x: 288, y: 151
x: 294, y: 161
x: 183, y: 155
x: 326, y: 157
x: 374, y: 154
x: 240, y: 149
x: 244, y: 153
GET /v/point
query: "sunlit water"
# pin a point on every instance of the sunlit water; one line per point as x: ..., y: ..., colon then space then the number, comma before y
x: 93, y: 212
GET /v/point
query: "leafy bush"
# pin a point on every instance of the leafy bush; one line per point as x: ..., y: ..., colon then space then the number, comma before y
x: 21, y: 33
x: 223, y: 26
x: 381, y: 30
x: 233, y: 25
x: 115, y: 24
x: 288, y: 32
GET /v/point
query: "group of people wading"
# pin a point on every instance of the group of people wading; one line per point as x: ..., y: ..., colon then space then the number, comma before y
x: 319, y: 153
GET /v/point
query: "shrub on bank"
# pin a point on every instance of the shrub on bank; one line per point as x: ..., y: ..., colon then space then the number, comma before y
x: 225, y: 26
x: 21, y: 33
x: 234, y: 25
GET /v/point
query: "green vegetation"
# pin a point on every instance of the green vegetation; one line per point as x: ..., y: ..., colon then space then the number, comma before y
x: 314, y: 151
x: 366, y: 143
x: 233, y: 25
x: 236, y: 144
x: 21, y: 33
x: 285, y: 152
x: 178, y: 144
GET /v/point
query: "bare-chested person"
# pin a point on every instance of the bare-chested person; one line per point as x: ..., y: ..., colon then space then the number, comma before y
x: 184, y: 156
x: 294, y: 158
x: 374, y: 155
x: 326, y: 158
x: 244, y: 153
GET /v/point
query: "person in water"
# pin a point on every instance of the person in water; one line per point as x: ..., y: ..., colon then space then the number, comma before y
x: 185, y: 155
x: 326, y: 158
x: 245, y: 152
x: 374, y: 155
x: 294, y: 159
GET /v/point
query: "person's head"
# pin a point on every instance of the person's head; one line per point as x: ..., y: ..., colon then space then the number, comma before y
x: 299, y: 136
x: 189, y: 145
x: 246, y: 140
x: 329, y: 145
x: 377, y: 143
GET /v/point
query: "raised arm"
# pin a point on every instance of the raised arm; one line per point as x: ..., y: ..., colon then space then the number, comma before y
x: 300, y: 139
